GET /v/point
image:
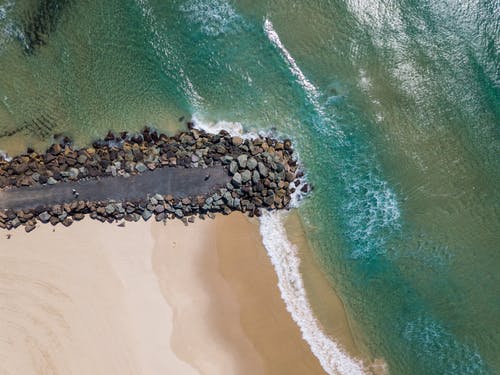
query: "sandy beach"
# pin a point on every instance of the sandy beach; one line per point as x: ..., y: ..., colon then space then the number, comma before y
x: 147, y: 298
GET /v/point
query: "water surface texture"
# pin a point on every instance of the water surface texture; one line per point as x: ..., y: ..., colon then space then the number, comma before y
x: 393, y: 105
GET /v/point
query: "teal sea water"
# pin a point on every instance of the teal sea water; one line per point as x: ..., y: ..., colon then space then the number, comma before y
x: 394, y: 106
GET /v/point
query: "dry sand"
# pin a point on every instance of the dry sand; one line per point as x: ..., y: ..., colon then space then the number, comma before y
x: 145, y: 299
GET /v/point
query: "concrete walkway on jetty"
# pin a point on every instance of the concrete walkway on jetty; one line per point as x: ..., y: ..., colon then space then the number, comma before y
x: 179, y: 182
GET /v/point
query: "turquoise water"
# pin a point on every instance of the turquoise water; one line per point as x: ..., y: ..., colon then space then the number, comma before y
x: 394, y: 107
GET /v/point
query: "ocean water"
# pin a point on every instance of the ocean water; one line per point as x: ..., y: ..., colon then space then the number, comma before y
x: 394, y: 108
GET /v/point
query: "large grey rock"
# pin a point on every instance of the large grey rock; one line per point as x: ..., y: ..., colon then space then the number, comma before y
x: 73, y: 172
x: 269, y: 200
x: 52, y: 181
x: 110, y: 208
x: 158, y: 197
x: 228, y: 199
x: 29, y: 227
x: 252, y: 164
x: 44, y: 217
x: 82, y: 159
x: 255, y: 176
x: 146, y: 214
x: 140, y: 167
x: 237, y: 203
x: 262, y: 169
x: 233, y: 167
x: 15, y: 222
x: 236, y: 180
x: 242, y: 160
x: 246, y: 176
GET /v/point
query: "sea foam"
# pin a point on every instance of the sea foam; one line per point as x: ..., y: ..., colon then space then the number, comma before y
x: 5, y: 156
x: 232, y: 127
x: 214, y: 17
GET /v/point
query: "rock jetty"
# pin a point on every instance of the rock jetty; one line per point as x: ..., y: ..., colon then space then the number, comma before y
x: 260, y: 174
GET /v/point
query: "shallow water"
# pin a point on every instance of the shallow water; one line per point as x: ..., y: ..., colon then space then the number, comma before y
x: 394, y: 108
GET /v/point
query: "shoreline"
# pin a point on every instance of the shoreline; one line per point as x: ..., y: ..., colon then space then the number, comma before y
x: 118, y: 300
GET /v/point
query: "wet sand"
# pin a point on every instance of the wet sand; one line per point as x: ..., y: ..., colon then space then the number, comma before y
x: 148, y: 298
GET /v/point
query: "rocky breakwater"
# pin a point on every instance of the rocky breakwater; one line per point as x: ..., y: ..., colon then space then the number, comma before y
x: 261, y: 173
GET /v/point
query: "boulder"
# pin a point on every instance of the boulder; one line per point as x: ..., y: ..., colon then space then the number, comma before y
x: 51, y: 181
x: 262, y: 169
x: 246, y: 176
x: 73, y: 173
x: 20, y: 168
x: 233, y: 167
x: 67, y: 221
x: 29, y: 227
x: 78, y: 216
x: 269, y: 200
x: 44, y: 217
x: 242, y: 160
x: 255, y: 177
x: 252, y: 164
x: 82, y: 159
x: 140, y: 167
x: 236, y: 141
x: 236, y: 180
x: 146, y: 214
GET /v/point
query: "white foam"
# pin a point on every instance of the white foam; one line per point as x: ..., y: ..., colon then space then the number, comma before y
x: 5, y: 156
x: 312, y: 93
x: 232, y: 127
x: 275, y: 39
x: 214, y: 17
x: 7, y: 28
x: 284, y: 257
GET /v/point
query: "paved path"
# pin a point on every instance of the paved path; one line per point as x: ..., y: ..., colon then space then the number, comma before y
x: 180, y: 182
